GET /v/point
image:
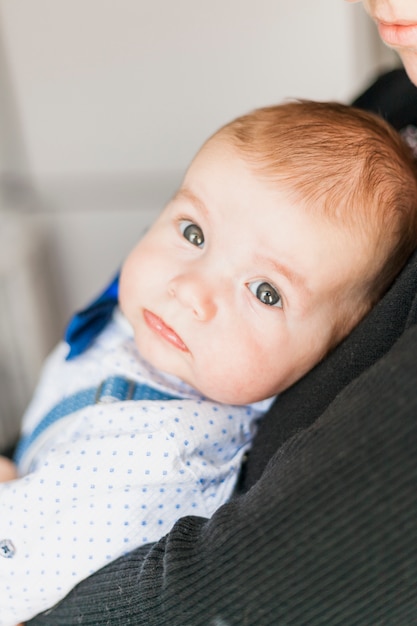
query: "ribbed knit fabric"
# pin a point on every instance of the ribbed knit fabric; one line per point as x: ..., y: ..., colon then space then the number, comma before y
x: 327, y: 536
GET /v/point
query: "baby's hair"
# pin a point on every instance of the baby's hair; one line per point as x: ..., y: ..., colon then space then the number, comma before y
x: 344, y: 163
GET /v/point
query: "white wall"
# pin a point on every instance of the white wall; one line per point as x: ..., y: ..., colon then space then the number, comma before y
x: 120, y: 86
x: 104, y: 102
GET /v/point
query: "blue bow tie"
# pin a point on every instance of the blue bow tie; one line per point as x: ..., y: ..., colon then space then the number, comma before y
x: 84, y: 327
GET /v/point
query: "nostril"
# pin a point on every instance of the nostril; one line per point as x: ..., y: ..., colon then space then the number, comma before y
x: 171, y: 290
x: 204, y: 309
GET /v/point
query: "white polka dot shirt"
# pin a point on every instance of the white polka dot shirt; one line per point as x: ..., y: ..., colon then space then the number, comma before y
x: 109, y: 477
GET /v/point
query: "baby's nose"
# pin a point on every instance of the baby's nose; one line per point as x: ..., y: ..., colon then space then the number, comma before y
x: 194, y: 293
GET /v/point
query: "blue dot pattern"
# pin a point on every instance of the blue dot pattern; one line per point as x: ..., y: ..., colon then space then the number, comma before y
x: 111, y: 477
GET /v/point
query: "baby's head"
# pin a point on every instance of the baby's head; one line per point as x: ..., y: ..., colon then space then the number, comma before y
x: 290, y: 223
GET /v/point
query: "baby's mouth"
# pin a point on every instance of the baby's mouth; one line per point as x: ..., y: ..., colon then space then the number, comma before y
x: 158, y: 326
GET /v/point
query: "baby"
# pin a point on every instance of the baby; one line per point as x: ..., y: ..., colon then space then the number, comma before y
x: 290, y: 223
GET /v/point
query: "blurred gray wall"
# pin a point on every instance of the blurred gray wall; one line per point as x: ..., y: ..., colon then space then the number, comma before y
x: 103, y: 103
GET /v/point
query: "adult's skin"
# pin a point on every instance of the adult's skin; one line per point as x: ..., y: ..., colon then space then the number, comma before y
x: 397, y: 27
x: 327, y: 533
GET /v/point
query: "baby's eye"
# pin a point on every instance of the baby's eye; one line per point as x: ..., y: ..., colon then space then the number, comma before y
x: 266, y: 293
x: 192, y: 233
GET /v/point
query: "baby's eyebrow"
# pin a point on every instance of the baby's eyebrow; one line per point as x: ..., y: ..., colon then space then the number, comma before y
x: 188, y: 195
x: 294, y: 277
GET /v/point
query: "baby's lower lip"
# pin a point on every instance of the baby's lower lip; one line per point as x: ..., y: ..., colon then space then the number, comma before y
x: 159, y: 327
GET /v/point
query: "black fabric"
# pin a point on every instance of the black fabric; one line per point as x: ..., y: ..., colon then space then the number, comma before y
x: 393, y: 96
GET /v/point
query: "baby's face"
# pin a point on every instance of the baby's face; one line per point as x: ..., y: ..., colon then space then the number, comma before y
x: 236, y: 290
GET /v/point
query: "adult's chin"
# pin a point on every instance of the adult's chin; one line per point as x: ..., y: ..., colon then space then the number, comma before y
x: 409, y: 59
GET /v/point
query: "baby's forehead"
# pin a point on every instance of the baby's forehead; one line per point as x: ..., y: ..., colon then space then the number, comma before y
x: 317, y: 199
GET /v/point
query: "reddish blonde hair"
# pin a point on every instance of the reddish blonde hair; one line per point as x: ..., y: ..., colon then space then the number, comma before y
x: 345, y: 163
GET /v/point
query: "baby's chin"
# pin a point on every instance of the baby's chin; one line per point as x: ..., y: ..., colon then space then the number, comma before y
x: 214, y: 390
x: 230, y: 396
